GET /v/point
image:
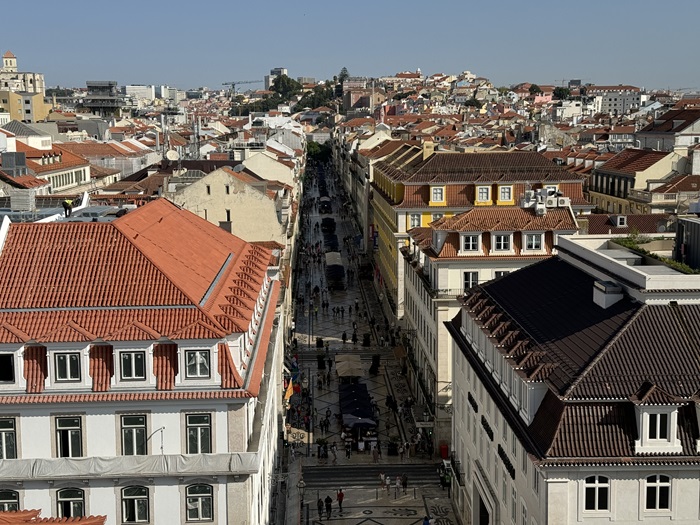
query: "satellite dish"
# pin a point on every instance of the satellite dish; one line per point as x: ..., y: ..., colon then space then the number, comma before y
x: 171, y: 154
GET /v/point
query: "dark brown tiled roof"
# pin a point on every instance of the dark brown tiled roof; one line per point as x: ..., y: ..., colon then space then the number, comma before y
x: 630, y: 161
x: 673, y: 121
x: 452, y: 168
x: 641, y: 223
x: 658, y: 346
x: 562, y: 322
x: 689, y: 183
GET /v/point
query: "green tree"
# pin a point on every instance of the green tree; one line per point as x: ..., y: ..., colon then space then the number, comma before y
x: 561, y: 93
x: 286, y: 87
x: 534, y: 89
x: 473, y: 102
x: 344, y: 75
x: 403, y: 94
x: 318, y: 152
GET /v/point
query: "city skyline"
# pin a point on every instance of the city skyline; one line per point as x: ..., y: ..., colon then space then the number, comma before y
x: 605, y: 43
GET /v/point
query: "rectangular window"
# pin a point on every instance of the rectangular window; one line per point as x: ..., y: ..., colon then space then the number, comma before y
x: 198, y: 433
x: 208, y: 190
x: 197, y: 363
x: 513, y: 506
x: 483, y: 194
x: 415, y: 220
x: 500, y: 273
x: 228, y: 215
x: 502, y: 243
x: 134, y: 435
x: 470, y: 243
x: 69, y: 437
x: 133, y: 365
x: 7, y: 368
x: 8, y: 438
x: 471, y: 279
x: 505, y: 193
x: 437, y: 216
x: 228, y: 189
x: 658, y: 426
x: 533, y: 241
x: 68, y: 367
x: 438, y: 194
x: 523, y: 515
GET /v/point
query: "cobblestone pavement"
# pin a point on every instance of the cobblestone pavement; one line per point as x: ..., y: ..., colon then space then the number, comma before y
x: 364, y: 503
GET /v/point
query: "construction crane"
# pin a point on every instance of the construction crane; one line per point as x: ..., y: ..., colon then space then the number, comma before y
x: 233, y: 84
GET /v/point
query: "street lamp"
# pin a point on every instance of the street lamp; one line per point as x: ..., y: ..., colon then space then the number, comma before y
x: 301, y: 485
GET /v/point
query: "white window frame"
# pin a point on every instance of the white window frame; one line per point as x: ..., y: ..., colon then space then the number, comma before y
x: 74, y: 512
x: 9, y: 500
x: 414, y: 223
x: 201, y: 438
x: 194, y: 502
x: 478, y: 196
x: 8, y: 438
x: 657, y: 482
x: 197, y: 354
x: 471, y: 275
x: 463, y: 242
x: 495, y: 241
x: 596, y: 483
x: 528, y: 236
x: 133, y: 502
x: 434, y: 191
x: 70, y: 430
x: 658, y: 424
x: 505, y: 188
x: 133, y: 372
x: 437, y: 216
x: 66, y: 360
x: 130, y: 435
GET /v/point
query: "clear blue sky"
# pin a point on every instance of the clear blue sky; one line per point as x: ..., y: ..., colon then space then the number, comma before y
x: 646, y: 43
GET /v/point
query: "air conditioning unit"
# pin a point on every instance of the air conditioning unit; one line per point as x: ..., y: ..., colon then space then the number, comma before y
x: 529, y: 195
x: 540, y: 209
x: 550, y: 202
x: 563, y: 202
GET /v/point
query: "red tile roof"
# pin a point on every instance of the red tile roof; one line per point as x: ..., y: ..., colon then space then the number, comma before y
x: 174, y: 273
x: 165, y: 366
x: 25, y: 517
x: 101, y: 367
x: 507, y: 218
x: 35, y: 368
x: 630, y: 161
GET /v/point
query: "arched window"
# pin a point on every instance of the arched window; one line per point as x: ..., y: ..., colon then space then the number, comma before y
x: 71, y: 503
x: 658, y: 493
x: 597, y: 493
x: 9, y: 500
x: 134, y: 505
x: 200, y: 503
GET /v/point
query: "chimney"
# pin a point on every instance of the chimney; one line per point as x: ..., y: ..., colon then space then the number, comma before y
x: 428, y: 149
x: 606, y: 293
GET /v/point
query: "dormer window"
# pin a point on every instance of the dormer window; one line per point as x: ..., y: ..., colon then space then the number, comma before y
x: 470, y: 242
x: 483, y: 195
x: 657, y: 430
x: 438, y: 194
x: 414, y: 220
x: 657, y: 427
x: 505, y: 194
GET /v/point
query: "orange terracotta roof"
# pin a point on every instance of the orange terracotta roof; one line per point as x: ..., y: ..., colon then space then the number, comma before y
x: 8, y: 54
x: 68, y: 160
x: 507, y: 218
x: 24, y: 517
x: 162, y: 266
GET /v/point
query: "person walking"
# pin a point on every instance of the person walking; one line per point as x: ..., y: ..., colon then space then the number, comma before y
x: 319, y: 504
x: 401, y: 452
x: 387, y: 482
x: 375, y: 454
x: 329, y: 506
x: 404, y: 482
x: 382, y: 480
x: 340, y: 496
x: 344, y: 337
x: 398, y: 484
